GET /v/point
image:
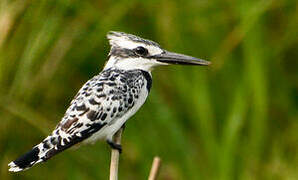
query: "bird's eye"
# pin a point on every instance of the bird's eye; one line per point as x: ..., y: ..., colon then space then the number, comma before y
x: 141, y: 50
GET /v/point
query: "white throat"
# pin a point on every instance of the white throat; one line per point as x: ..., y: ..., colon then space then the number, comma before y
x: 132, y: 63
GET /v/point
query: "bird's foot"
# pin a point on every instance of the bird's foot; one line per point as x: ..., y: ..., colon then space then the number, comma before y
x: 115, y: 146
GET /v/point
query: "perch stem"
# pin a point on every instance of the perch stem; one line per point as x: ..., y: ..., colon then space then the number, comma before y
x: 115, y: 157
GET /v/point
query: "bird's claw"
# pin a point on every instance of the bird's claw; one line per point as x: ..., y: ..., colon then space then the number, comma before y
x: 115, y: 146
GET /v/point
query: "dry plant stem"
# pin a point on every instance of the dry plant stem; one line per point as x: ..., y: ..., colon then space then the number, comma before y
x: 115, y: 157
x: 155, y: 168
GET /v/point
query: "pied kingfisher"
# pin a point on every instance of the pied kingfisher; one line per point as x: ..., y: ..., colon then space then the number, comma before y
x: 109, y: 99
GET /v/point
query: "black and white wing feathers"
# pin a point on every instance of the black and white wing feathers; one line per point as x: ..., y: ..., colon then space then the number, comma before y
x: 101, y: 101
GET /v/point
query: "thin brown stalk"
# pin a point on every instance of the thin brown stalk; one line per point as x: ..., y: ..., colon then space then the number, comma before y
x: 155, y: 168
x: 115, y: 157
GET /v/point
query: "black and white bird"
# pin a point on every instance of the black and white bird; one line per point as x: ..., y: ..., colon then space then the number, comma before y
x: 109, y: 99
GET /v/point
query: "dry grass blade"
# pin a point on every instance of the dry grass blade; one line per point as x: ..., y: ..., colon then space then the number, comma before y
x: 115, y: 157
x: 155, y: 168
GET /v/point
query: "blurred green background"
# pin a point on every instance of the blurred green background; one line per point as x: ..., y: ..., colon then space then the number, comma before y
x: 237, y: 119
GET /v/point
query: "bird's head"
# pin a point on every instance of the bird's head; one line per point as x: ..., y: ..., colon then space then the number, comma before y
x: 132, y: 52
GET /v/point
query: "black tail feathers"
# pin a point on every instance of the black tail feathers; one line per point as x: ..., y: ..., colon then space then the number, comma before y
x: 25, y: 161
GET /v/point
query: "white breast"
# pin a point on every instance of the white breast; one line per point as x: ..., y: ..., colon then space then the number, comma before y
x: 108, y: 131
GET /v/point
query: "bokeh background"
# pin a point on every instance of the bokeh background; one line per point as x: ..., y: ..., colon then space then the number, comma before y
x: 237, y: 119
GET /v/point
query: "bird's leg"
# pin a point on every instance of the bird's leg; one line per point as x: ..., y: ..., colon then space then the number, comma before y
x: 115, y: 145
x: 112, y: 143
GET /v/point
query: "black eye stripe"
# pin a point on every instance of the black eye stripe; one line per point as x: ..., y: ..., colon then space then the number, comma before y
x: 141, y: 51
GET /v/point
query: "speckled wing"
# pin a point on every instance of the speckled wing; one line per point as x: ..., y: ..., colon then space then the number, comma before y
x: 102, y: 101
x: 99, y: 103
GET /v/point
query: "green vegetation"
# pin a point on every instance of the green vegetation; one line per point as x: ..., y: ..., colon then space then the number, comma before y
x: 237, y: 119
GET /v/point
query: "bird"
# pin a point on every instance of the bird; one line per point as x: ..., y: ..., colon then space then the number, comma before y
x: 106, y: 101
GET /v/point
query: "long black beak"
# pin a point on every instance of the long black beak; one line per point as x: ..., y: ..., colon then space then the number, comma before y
x: 175, y: 58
